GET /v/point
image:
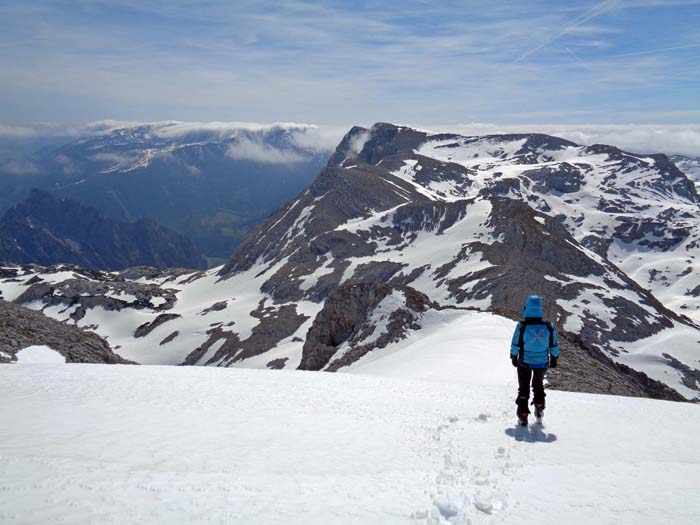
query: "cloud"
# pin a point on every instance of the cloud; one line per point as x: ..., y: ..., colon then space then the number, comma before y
x: 19, y: 168
x: 40, y: 130
x: 36, y: 130
x: 640, y: 139
x: 67, y: 165
x: 306, y: 136
x: 16, y: 132
x: 258, y: 151
x: 574, y: 26
x: 113, y: 158
x: 320, y: 139
x: 330, y: 62
x: 671, y: 139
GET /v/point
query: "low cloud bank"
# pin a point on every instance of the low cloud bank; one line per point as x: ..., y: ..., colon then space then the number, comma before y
x: 680, y: 139
x: 306, y: 136
x: 638, y: 138
x: 258, y: 151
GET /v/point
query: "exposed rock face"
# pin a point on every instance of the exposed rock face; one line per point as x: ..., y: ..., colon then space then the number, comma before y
x: 147, y: 328
x: 586, y: 369
x: 359, y: 318
x: 46, y: 230
x: 169, y: 338
x: 21, y: 327
x: 529, y: 254
x: 564, y: 178
x: 81, y: 295
x: 276, y: 324
x: 652, y: 233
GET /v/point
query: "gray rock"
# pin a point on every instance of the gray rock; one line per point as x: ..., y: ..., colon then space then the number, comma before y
x: 169, y: 338
x: 276, y: 323
x: 84, y: 295
x: 21, y: 327
x: 146, y: 328
x: 564, y: 178
x: 277, y: 364
x: 344, y: 319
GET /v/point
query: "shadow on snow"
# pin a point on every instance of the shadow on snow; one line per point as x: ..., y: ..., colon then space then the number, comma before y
x: 531, y: 434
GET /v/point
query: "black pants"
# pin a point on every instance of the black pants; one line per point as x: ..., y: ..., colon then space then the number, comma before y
x: 525, y: 376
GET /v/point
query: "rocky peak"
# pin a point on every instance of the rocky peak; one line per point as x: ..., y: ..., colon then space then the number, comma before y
x: 350, y: 146
x: 386, y: 140
x: 370, y: 146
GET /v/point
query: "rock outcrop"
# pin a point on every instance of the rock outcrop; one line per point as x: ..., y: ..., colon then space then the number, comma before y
x: 359, y: 318
x: 21, y: 327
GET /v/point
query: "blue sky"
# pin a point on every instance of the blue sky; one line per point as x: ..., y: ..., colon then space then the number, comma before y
x: 515, y: 62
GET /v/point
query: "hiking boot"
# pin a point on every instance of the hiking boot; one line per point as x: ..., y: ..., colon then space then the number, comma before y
x: 522, y: 418
x: 539, y: 412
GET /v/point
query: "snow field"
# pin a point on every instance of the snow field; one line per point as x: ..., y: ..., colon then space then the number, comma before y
x: 124, y: 444
x: 39, y: 355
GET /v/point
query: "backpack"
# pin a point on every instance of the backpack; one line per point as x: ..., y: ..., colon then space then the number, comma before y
x: 521, y: 339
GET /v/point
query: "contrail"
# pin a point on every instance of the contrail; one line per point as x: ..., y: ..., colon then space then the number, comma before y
x: 654, y: 51
x: 585, y: 66
x: 584, y: 17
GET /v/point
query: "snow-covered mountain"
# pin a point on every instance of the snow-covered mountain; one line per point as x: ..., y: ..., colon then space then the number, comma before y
x: 449, y: 223
x: 688, y: 165
x: 209, y: 181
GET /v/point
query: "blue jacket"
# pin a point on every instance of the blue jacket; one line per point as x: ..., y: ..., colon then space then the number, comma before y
x: 536, y: 336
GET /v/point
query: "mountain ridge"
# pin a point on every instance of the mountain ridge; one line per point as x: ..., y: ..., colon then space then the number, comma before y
x: 47, y: 230
x: 470, y: 222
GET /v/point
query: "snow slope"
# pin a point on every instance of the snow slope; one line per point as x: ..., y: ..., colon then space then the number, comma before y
x: 119, y: 444
x: 451, y: 346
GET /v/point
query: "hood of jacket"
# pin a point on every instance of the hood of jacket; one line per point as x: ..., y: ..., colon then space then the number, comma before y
x: 533, y: 307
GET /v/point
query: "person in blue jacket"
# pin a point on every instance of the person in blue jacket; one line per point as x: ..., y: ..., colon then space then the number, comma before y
x: 534, y: 347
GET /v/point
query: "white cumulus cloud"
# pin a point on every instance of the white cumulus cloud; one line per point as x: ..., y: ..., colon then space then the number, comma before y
x: 258, y: 151
x: 637, y: 138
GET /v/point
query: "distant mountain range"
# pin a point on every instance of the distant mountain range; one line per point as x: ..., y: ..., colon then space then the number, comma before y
x: 47, y: 230
x: 209, y: 182
x: 404, y: 232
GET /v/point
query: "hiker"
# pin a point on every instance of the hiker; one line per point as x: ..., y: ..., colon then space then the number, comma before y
x: 535, y: 346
